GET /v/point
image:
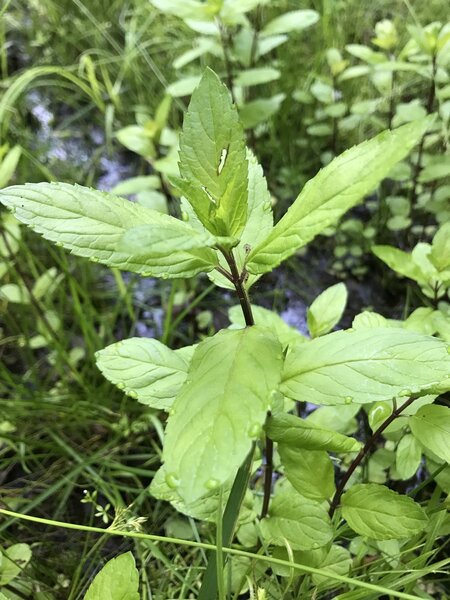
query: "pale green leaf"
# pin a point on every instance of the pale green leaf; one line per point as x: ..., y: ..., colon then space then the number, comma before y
x: 267, y: 318
x: 304, y: 524
x: 259, y: 111
x: 333, y: 191
x: 213, y: 156
x: 146, y: 369
x: 250, y: 77
x: 8, y: 165
x: 310, y: 472
x: 295, y: 20
x: 379, y: 513
x: 365, y: 366
x: 92, y: 223
x: 134, y: 185
x: 185, y: 9
x: 15, y: 293
x: 338, y: 560
x: 326, y: 310
x: 399, y: 261
x: 440, y: 248
x: 136, y: 139
x: 431, y: 426
x: 157, y: 240
x: 12, y: 561
x: 408, y: 456
x: 304, y: 434
x: 220, y: 409
x: 183, y: 87
x: 118, y: 580
x: 47, y: 283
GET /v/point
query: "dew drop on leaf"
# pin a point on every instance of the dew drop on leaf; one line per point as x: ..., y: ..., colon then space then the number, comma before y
x: 133, y: 394
x: 348, y: 399
x: 212, y: 484
x: 254, y: 430
x: 120, y: 385
x: 172, y: 480
x: 404, y: 393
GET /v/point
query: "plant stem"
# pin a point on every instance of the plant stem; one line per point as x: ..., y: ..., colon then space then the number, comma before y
x: 364, y: 451
x: 225, y: 40
x: 429, y: 109
x: 238, y: 281
x: 268, y: 472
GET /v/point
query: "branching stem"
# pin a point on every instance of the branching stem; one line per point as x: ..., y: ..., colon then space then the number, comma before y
x: 365, y: 451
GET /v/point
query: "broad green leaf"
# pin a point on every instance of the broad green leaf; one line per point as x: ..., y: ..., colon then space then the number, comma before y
x: 134, y: 185
x: 408, y: 456
x: 339, y: 419
x: 157, y: 240
x: 12, y: 561
x: 440, y: 248
x: 92, y: 223
x: 431, y: 426
x: 365, y: 366
x: 326, y: 310
x: 183, y: 87
x: 310, y: 472
x: 295, y: 20
x: 118, y: 580
x: 399, y: 261
x: 259, y: 111
x: 333, y: 191
x: 304, y: 524
x: 220, y: 409
x: 185, y: 9
x: 304, y: 434
x: 213, y: 156
x: 146, y: 369
x: 257, y: 76
x: 267, y: 318
x: 136, y: 139
x: 15, y: 293
x: 8, y: 165
x: 379, y: 513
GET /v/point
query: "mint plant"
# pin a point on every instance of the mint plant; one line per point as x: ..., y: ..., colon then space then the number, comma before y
x: 229, y: 398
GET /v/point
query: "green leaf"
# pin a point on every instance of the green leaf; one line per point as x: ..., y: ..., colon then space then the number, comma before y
x: 267, y: 318
x: 136, y: 139
x: 259, y: 111
x: 220, y: 409
x: 399, y: 261
x: 14, y: 292
x: 92, y: 223
x: 304, y: 524
x: 213, y: 156
x: 310, y: 472
x: 431, y: 426
x: 157, y: 240
x: 365, y: 366
x: 379, y: 513
x: 118, y: 580
x: 250, y: 77
x: 183, y: 87
x: 146, y: 369
x: 440, y: 248
x: 303, y: 434
x: 8, y: 165
x: 295, y: 20
x: 334, y: 190
x: 326, y: 310
x: 12, y: 561
x: 408, y: 456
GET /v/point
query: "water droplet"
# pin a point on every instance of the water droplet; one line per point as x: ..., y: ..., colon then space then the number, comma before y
x: 254, y: 430
x: 133, y: 394
x: 172, y: 480
x: 172, y: 412
x: 348, y: 399
x: 315, y: 545
x: 212, y: 484
x: 266, y: 205
x: 184, y: 216
x: 94, y: 259
x: 404, y: 393
x: 59, y: 244
x: 120, y: 385
x: 146, y: 274
x: 164, y: 276
x: 97, y: 354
